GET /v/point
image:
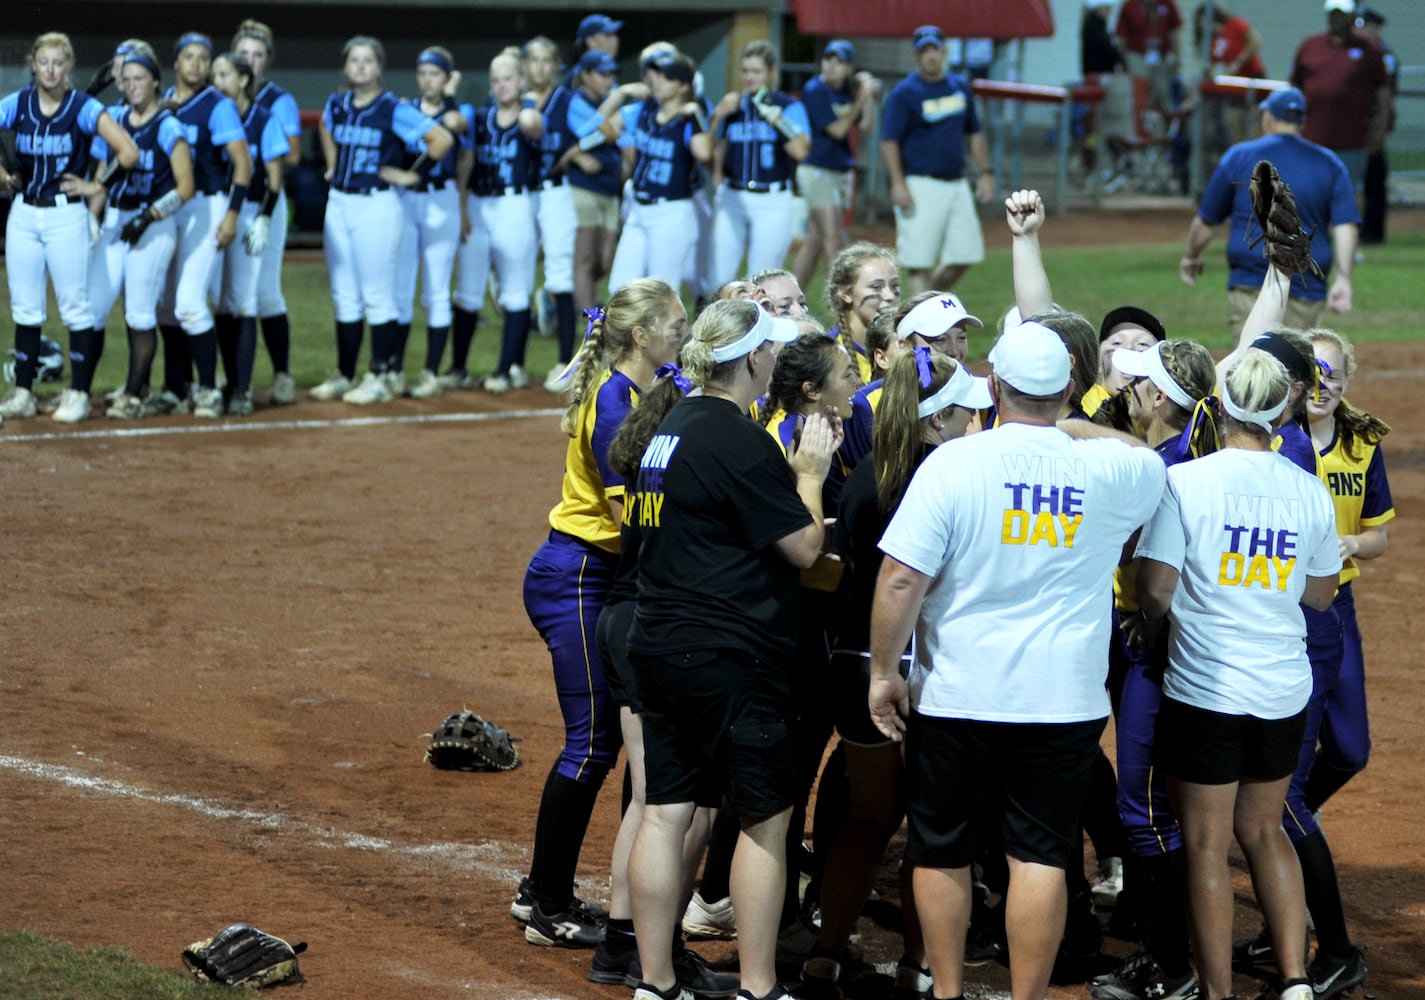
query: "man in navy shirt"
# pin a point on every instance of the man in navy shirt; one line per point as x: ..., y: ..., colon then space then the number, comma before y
x: 929, y: 122
x: 1325, y: 202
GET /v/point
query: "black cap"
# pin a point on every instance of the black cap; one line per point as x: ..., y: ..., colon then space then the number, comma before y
x: 1131, y: 314
x: 1369, y: 15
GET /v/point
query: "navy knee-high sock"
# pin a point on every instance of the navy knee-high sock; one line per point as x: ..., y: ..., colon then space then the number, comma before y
x: 143, y: 345
x: 85, y: 346
x: 246, y: 353
x: 277, y: 335
x: 436, y: 336
x: 513, y: 340
x: 401, y: 337
x: 385, y: 343
x: 177, y: 360
x: 564, y: 812
x: 564, y: 328
x: 462, y: 335
x: 204, y: 347
x: 348, y: 347
x: 27, y: 355
x: 227, y: 329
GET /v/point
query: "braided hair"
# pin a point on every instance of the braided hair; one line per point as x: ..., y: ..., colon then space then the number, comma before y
x: 897, y: 438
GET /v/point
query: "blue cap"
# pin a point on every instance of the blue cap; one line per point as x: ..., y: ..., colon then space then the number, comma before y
x: 671, y: 66
x: 595, y: 61
x: 1287, y: 105
x: 841, y: 49
x: 928, y: 34
x: 598, y: 24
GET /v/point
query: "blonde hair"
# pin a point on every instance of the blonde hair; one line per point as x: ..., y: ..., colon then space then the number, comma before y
x: 53, y: 40
x: 1190, y: 365
x: 841, y: 277
x: 723, y: 322
x: 643, y: 302
x: 897, y: 436
x: 1257, y: 382
x: 1352, y: 425
x: 764, y: 50
x: 257, y: 31
x: 509, y: 56
x: 357, y: 41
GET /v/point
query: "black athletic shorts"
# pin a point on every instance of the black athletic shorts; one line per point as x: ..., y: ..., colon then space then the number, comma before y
x: 717, y: 721
x: 851, y: 689
x: 959, y: 771
x: 612, y: 634
x: 1213, y: 748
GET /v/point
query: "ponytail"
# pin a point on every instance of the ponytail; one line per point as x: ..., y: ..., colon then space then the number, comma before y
x: 897, y: 437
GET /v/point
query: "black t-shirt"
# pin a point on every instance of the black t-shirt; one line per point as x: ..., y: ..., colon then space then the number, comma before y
x: 715, y: 494
x: 859, y: 527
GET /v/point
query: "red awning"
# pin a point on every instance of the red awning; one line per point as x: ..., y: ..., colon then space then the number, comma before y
x: 998, y: 19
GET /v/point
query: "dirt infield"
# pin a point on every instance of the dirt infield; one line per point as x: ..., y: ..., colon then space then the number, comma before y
x: 220, y: 650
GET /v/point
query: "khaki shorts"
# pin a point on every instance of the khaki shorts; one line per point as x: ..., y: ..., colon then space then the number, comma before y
x: 1300, y: 314
x: 943, y: 227
x: 824, y: 188
x: 595, y: 211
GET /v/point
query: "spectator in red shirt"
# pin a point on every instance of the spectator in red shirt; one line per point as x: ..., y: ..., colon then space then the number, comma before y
x: 1347, y: 86
x: 1236, y: 51
x: 1148, y: 32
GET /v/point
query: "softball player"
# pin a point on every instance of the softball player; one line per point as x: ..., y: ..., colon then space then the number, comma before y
x: 48, y: 230
x: 568, y: 580
x: 431, y: 232
x: 762, y: 135
x: 207, y: 224
x: 836, y: 102
x: 363, y: 130
x: 506, y: 136
x: 140, y: 230
x: 597, y: 33
x: 667, y: 137
x: 555, y: 214
x: 863, y: 281
x: 1353, y: 466
x: 595, y: 178
x: 236, y: 320
x: 253, y: 41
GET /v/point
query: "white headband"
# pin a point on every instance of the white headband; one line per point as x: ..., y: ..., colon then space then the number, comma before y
x: 954, y: 391
x: 766, y: 328
x: 1260, y: 418
x: 1153, y: 367
x: 934, y: 313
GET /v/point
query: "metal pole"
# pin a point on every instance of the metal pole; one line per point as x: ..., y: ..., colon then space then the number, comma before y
x: 1197, y: 164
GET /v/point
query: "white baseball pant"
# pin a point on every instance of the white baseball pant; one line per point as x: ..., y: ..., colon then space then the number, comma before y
x: 513, y: 231
x: 241, y: 272
x: 472, y: 260
x: 557, y: 224
x: 656, y: 242
x: 53, y: 240
x: 362, y: 237
x: 758, y: 224
x: 195, y: 265
x: 138, y: 271
x: 430, y: 234
x: 269, y: 282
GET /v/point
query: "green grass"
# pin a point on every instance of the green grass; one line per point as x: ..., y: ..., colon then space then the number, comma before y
x: 1388, y: 299
x: 35, y: 967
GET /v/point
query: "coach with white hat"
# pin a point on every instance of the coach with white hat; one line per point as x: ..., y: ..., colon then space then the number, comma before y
x: 1001, y: 560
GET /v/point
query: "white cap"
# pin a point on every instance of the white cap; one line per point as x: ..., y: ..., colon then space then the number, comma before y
x: 1344, y: 6
x: 962, y: 389
x: 935, y: 317
x: 1149, y: 364
x: 1033, y: 359
x: 767, y: 327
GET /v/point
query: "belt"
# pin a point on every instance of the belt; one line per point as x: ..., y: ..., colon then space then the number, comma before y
x: 759, y: 187
x: 360, y: 192
x: 436, y: 185
x: 552, y: 182
x: 50, y: 201
x: 937, y: 177
x: 501, y: 192
x: 644, y: 199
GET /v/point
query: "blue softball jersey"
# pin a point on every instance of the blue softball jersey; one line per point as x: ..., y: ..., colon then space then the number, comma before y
x: 153, y: 177
x: 929, y: 120
x: 825, y: 106
x: 210, y: 121
x: 266, y: 143
x: 754, y: 153
x: 47, y: 146
x: 583, y: 116
x: 665, y: 164
x: 506, y: 160
x: 444, y: 170
x: 282, y: 106
x: 370, y: 137
x: 558, y: 132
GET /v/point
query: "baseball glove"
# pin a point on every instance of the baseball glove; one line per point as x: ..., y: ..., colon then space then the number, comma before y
x: 243, y: 956
x: 466, y: 742
x: 99, y: 82
x: 1278, y: 225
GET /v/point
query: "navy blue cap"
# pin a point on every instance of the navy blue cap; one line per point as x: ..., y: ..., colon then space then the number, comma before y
x: 598, y: 24
x: 596, y: 61
x: 841, y: 49
x: 928, y: 34
x: 1287, y: 105
x: 672, y: 67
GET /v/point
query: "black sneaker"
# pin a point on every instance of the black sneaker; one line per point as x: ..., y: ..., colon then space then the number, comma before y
x: 1250, y: 953
x: 615, y: 967
x: 697, y: 977
x: 524, y: 902
x: 1126, y: 981
x: 571, y: 928
x: 1331, y: 977
x: 779, y: 992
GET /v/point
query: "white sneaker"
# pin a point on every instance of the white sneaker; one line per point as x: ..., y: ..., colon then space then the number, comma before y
x: 125, y: 408
x: 497, y: 384
x: 519, y: 378
x: 73, y: 406
x: 1109, y: 883
x: 559, y: 379
x: 457, y: 379
x: 18, y: 403
x: 396, y: 382
x: 427, y: 385
x: 208, y: 403
x: 715, y: 920
x: 334, y: 387
x: 373, y: 389
x: 543, y: 313
x: 284, y: 389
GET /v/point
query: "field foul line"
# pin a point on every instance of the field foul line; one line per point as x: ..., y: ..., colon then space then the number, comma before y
x: 500, y: 861
x: 232, y: 427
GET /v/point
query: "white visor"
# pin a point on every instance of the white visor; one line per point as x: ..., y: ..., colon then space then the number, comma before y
x: 962, y: 389
x: 1149, y: 364
x: 767, y: 327
x: 1260, y: 418
x: 933, y: 318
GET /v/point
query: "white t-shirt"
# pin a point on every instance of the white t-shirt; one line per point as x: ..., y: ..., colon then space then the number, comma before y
x: 1244, y: 529
x: 1021, y: 528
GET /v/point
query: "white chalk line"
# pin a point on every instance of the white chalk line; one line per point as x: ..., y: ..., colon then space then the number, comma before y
x: 235, y: 427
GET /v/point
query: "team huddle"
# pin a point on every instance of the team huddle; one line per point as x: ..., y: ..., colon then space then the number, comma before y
x: 769, y: 531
